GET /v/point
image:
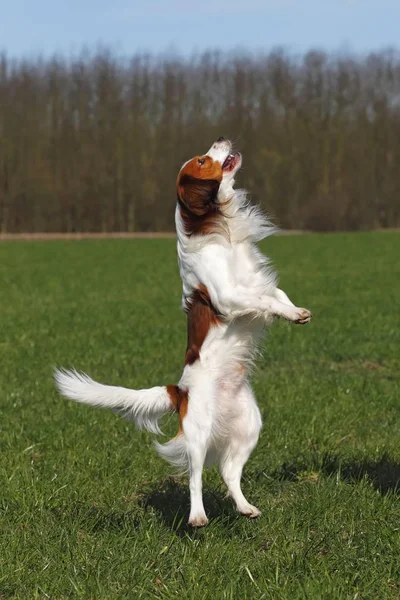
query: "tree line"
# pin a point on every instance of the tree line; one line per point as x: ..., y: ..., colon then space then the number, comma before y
x: 94, y: 143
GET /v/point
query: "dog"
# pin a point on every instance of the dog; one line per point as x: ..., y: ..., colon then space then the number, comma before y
x: 230, y: 294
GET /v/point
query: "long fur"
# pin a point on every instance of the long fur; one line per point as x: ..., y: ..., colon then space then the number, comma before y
x: 143, y: 407
x: 236, y: 295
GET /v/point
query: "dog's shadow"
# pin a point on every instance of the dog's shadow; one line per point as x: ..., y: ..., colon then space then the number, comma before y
x: 171, y: 500
x: 383, y: 473
x: 96, y: 519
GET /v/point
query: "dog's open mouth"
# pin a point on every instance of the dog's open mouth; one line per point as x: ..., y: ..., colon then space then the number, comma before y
x: 231, y: 162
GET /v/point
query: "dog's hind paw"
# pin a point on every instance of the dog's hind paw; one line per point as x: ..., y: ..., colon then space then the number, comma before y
x: 198, y: 521
x: 249, y: 511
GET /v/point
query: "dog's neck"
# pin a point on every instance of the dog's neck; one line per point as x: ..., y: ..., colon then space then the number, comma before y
x: 239, y: 221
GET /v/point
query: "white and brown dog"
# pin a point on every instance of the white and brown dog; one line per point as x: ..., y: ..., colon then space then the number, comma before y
x: 229, y: 294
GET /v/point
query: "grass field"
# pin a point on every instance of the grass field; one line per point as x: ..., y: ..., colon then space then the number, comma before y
x: 89, y: 510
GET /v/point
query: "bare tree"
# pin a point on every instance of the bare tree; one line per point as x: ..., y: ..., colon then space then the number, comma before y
x: 94, y: 143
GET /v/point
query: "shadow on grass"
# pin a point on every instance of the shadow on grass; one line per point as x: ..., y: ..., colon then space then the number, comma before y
x: 383, y: 473
x: 172, y: 501
x: 97, y: 519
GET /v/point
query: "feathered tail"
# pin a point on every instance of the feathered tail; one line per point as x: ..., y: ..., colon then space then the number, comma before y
x: 144, y: 407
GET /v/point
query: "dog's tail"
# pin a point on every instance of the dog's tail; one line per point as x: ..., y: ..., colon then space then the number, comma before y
x: 144, y: 407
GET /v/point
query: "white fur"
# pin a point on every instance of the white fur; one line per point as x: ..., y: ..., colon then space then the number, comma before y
x: 143, y: 407
x: 223, y: 421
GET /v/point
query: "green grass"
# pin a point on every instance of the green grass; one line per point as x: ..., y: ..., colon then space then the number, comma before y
x: 90, y: 511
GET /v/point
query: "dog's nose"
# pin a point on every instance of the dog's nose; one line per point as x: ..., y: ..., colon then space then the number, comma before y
x: 221, y: 139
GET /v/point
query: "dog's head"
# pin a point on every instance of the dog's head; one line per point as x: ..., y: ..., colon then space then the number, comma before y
x: 205, y: 182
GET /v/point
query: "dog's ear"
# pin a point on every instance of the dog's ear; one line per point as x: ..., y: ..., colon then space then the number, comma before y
x: 198, y: 195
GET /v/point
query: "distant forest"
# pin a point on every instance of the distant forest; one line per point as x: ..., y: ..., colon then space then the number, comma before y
x: 94, y: 143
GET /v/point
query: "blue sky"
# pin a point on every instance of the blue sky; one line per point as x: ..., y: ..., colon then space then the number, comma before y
x: 30, y: 27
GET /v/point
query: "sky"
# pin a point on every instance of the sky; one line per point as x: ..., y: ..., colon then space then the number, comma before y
x: 46, y: 27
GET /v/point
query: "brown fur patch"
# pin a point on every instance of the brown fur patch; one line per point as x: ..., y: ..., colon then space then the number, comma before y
x: 201, y: 316
x: 179, y: 399
x: 197, y: 188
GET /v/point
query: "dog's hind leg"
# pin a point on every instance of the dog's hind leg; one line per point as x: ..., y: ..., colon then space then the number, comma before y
x: 196, y: 450
x: 243, y: 436
x: 196, y: 427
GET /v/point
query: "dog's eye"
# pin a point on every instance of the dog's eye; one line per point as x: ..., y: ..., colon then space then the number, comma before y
x: 201, y: 161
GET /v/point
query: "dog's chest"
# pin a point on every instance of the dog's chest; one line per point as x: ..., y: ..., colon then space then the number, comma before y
x: 243, y: 263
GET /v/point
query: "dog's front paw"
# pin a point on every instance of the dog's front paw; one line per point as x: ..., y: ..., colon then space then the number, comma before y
x: 301, y: 316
